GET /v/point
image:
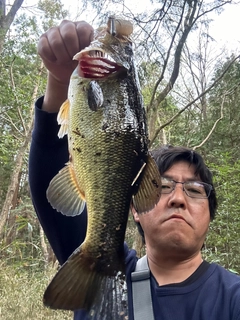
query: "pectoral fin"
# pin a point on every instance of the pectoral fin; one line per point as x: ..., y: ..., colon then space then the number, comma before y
x: 149, y: 190
x: 62, y: 118
x: 64, y: 193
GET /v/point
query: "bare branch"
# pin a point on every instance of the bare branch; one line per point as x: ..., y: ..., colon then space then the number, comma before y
x: 165, y: 63
x: 188, y: 23
x: 8, y: 119
x: 213, y: 128
x: 18, y: 162
x: 219, y: 119
x: 15, y: 95
x: 193, y: 101
x: 213, y: 8
x: 35, y: 93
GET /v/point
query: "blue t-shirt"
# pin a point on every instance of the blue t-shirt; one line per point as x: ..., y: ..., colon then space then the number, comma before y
x: 210, y: 293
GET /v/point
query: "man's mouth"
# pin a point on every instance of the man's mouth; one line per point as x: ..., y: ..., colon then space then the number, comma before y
x: 178, y: 217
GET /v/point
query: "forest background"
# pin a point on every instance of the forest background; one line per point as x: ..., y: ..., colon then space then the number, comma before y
x: 191, y: 90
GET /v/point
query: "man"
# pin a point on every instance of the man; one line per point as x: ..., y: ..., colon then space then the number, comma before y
x: 183, y: 286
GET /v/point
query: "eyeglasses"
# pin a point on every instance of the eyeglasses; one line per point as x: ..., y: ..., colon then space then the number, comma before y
x: 193, y: 189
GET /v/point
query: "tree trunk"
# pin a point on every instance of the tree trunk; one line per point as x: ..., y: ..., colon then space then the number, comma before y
x: 7, y: 19
x: 14, y: 179
x: 44, y: 246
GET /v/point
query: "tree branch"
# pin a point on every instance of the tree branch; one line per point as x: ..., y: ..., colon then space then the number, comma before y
x: 213, y: 128
x: 165, y: 61
x: 11, y: 14
x: 9, y: 120
x: 219, y: 119
x: 6, y: 20
x: 193, y: 101
x: 15, y: 95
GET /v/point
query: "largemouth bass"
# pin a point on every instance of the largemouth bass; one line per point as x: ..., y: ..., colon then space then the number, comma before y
x: 109, y: 166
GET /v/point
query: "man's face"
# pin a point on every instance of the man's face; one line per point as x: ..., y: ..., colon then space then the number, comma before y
x: 177, y: 224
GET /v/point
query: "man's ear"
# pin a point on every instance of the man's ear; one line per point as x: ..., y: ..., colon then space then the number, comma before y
x: 134, y: 213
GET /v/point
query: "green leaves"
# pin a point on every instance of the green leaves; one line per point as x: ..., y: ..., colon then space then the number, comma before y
x: 21, y: 82
x: 223, y: 240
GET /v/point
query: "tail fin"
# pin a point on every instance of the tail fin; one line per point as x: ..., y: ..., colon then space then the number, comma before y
x: 112, y: 303
x: 78, y: 285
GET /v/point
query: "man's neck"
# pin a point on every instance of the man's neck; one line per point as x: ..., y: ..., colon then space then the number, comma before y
x: 168, y: 270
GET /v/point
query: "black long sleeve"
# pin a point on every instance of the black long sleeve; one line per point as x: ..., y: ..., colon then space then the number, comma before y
x: 48, y: 154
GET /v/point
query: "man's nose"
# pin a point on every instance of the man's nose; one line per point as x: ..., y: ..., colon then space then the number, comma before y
x: 178, y: 197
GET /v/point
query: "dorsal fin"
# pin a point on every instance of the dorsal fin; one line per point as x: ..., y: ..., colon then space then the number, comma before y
x: 149, y: 190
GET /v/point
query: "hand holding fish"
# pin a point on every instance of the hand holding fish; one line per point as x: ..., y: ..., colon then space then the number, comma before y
x: 57, y: 47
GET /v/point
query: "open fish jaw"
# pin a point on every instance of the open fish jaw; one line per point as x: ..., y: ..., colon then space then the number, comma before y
x: 95, y: 68
x: 106, y: 55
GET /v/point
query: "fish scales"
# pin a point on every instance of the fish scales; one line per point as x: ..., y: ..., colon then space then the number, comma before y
x: 109, y: 166
x: 111, y: 157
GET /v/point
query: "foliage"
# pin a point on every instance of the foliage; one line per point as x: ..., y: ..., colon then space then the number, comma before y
x: 21, y: 245
x: 21, y: 292
x: 17, y: 82
x: 19, y: 66
x: 226, y: 95
x: 158, y: 36
x: 52, y: 11
x: 223, y: 242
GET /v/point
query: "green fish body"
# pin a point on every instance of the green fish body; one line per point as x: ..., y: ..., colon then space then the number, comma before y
x: 109, y: 166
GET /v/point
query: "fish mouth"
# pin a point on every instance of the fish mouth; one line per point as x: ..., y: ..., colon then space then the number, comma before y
x: 96, y: 64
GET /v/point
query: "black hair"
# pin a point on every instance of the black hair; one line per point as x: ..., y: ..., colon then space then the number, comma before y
x: 166, y: 156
